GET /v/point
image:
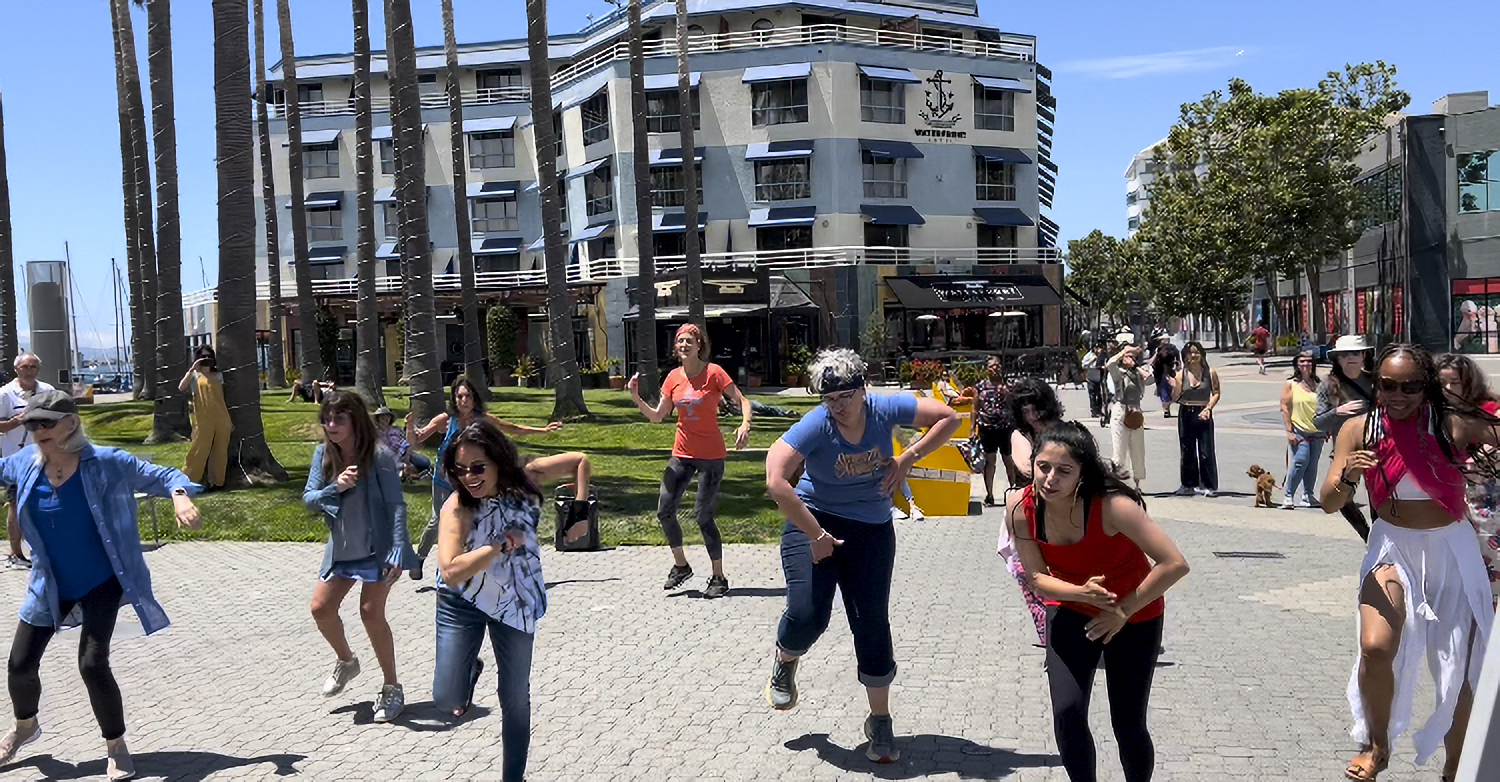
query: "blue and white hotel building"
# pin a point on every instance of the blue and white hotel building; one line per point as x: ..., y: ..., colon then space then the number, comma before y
x: 858, y: 160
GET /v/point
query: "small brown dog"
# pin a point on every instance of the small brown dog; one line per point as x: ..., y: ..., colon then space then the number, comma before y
x: 1265, y: 483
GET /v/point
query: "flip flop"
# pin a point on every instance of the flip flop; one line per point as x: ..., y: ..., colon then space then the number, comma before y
x: 1369, y: 768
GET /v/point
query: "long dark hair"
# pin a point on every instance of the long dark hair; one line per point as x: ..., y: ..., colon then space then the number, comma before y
x: 464, y: 382
x: 207, y: 351
x: 1337, y: 382
x: 1470, y: 377
x: 1097, y: 476
x: 1035, y: 392
x: 512, y: 478
x: 362, y: 449
x: 1312, y: 374
x: 1201, y: 352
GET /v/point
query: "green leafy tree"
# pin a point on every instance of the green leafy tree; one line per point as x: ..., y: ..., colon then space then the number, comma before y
x: 1105, y: 272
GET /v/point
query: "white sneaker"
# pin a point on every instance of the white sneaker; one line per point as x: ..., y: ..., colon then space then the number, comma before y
x: 25, y: 732
x: 1287, y: 504
x: 344, y: 672
x: 916, y: 513
x: 390, y: 703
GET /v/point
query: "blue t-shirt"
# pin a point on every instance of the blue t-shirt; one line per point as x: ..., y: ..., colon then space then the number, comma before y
x: 72, y: 540
x: 843, y: 478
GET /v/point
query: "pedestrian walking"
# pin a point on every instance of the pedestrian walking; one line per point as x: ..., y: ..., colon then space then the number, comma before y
x: 1197, y: 392
x: 1093, y: 374
x: 355, y: 488
x: 465, y: 406
x: 1260, y: 343
x: 839, y: 534
x: 490, y: 576
x: 1423, y: 587
x: 1036, y: 409
x: 1163, y: 369
x: 994, y: 424
x: 1299, y: 403
x: 208, y: 454
x: 1347, y: 391
x: 78, y: 514
x: 1464, y: 384
x: 1127, y: 426
x: 13, y: 437
x: 1089, y: 548
x: 694, y: 389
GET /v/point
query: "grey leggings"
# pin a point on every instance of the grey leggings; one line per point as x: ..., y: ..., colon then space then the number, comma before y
x: 674, y: 482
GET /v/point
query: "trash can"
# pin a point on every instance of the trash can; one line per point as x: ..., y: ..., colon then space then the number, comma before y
x: 569, y: 509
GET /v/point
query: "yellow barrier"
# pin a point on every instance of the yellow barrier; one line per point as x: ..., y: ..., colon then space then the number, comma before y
x: 940, y: 482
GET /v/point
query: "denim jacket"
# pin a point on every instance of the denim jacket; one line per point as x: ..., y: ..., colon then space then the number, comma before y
x: 111, y: 478
x: 386, y: 509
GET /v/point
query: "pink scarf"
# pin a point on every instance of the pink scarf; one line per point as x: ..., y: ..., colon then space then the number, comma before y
x: 1410, y: 447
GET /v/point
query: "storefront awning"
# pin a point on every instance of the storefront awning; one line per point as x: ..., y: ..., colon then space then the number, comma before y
x: 890, y: 149
x: 1002, y: 154
x: 892, y: 214
x: 312, y: 138
x: 771, y: 150
x: 501, y: 245
x: 320, y: 201
x: 318, y: 256
x: 1002, y: 215
x: 386, y: 251
x: 783, y: 215
x: 1001, y: 83
x: 385, y: 195
x: 796, y: 70
x: 672, y: 156
x: 944, y: 292
x: 668, y: 81
x: 681, y: 313
x: 594, y: 232
x: 675, y: 222
x: 490, y: 125
x: 484, y: 190
x: 588, y: 167
x: 889, y: 74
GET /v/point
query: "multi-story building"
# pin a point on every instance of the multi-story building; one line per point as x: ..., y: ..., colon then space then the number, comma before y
x: 839, y: 145
x: 1138, y: 178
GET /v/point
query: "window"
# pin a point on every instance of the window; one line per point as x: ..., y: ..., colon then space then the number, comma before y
x: 325, y: 225
x: 671, y: 244
x: 598, y: 189
x: 387, y: 149
x: 762, y: 28
x: 997, y: 242
x: 320, y: 161
x: 995, y: 181
x: 390, y: 221
x: 778, y: 102
x: 1132, y: 197
x: 1478, y: 181
x: 1133, y: 224
x: 881, y: 100
x: 596, y: 119
x: 326, y: 271
x: 994, y: 109
x: 493, y: 215
x: 557, y: 127
x: 937, y: 38
x: 667, y: 186
x: 783, y: 180
x: 886, y: 236
x: 885, y: 177
x: 492, y: 150
x: 1380, y: 197
x: 663, y: 114
x: 428, y: 89
x: 785, y: 237
x: 497, y: 84
x: 310, y: 92
x: 489, y: 264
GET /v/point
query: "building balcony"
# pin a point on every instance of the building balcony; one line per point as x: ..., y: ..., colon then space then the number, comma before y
x: 489, y: 97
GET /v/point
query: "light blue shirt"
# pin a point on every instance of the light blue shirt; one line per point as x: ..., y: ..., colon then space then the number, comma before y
x: 384, y: 510
x: 111, y: 478
x: 843, y: 478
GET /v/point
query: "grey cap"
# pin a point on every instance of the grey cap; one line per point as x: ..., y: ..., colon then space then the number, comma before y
x: 383, y: 411
x: 49, y: 406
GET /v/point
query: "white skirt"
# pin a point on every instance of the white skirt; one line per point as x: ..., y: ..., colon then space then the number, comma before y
x: 1447, y: 597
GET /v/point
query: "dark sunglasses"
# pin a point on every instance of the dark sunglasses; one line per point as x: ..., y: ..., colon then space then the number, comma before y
x: 477, y: 468
x: 336, y: 418
x: 1407, y: 387
x: 40, y: 424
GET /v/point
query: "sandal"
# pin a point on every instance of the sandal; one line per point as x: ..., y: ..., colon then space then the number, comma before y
x: 989, y: 501
x: 1366, y: 766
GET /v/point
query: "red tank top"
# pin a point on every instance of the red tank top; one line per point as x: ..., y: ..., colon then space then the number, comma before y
x: 1116, y: 557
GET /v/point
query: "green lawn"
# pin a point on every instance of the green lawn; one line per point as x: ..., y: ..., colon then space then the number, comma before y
x: 628, y: 454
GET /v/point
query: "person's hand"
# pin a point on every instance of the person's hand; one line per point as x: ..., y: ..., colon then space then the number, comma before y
x: 1359, y: 461
x: 392, y: 573
x: 1103, y: 627
x: 634, y: 383
x: 347, y: 479
x: 741, y: 437
x: 187, y: 512
x: 1093, y: 593
x: 1292, y: 438
x: 1206, y: 415
x: 200, y: 366
x: 896, y: 471
x: 512, y: 540
x: 553, y: 426
x: 1351, y: 408
x: 823, y: 546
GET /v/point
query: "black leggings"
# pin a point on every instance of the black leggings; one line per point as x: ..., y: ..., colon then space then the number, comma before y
x: 1129, y: 662
x: 100, y: 608
x: 674, y: 483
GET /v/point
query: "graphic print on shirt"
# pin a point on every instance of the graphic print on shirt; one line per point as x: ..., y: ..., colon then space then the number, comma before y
x: 688, y: 403
x: 511, y: 589
x: 854, y: 465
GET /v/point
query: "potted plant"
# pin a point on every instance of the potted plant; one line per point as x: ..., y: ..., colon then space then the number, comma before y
x: 500, y: 338
x: 925, y: 372
x: 796, y: 368
x: 524, y: 369
x: 596, y: 374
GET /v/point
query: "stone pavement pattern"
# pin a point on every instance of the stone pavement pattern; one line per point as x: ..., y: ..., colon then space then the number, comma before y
x: 632, y: 683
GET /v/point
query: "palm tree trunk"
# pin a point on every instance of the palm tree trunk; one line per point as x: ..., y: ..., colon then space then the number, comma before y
x: 169, y: 420
x: 250, y: 459
x: 567, y: 385
x: 141, y: 162
x: 424, y: 363
x: 468, y: 299
x: 9, y: 337
x: 307, y: 313
x: 276, y: 372
x: 139, y: 323
x: 367, y: 305
x: 691, y: 248
x: 645, y: 359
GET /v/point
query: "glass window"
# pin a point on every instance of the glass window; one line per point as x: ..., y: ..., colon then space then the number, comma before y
x: 994, y: 109
x: 997, y: 235
x: 326, y: 271
x: 387, y: 149
x: 1479, y: 181
x: 428, y: 88
x: 497, y: 84
x: 885, y: 177
x: 310, y: 92
x: 1133, y: 223
x: 667, y: 186
x: 490, y: 264
x: 881, y: 100
x: 492, y: 150
x: 762, y: 28
x: 390, y: 222
x: 598, y: 189
x: 995, y: 181
x: 778, y: 102
x: 557, y: 127
x: 325, y: 225
x: 596, y: 119
x: 784, y: 237
x: 883, y: 236
x: 320, y: 161
x: 672, y: 244
x: 783, y: 180
x: 1380, y: 198
x: 662, y: 114
x: 493, y: 215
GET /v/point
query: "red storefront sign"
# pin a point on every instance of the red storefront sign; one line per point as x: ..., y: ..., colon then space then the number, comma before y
x: 1331, y: 313
x: 1398, y: 308
x: 1361, y: 315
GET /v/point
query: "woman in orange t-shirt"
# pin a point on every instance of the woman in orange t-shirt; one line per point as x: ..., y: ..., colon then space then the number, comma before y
x: 694, y: 389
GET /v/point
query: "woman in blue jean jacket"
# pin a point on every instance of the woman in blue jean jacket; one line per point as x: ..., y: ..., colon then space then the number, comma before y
x: 78, y: 502
x: 355, y: 486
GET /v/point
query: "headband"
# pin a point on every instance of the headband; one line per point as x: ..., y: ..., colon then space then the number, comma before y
x: 689, y: 328
x: 833, y: 384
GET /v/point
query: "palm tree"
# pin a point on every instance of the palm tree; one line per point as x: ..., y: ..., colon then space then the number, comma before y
x: 9, y: 343
x: 136, y: 174
x: 307, y: 317
x: 566, y: 384
x: 468, y: 303
x: 169, y: 421
x: 423, y: 364
x: 645, y: 251
x: 367, y: 305
x: 276, y: 373
x: 694, y: 260
x: 250, y: 458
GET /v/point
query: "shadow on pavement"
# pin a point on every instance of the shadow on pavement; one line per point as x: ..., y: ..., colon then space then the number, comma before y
x: 421, y: 716
x: 697, y: 594
x: 926, y: 755
x: 551, y: 584
x: 183, y: 766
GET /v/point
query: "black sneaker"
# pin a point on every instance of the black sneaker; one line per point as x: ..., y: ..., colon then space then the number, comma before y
x: 677, y: 576
x: 718, y: 586
x: 781, y: 691
x: 881, y: 732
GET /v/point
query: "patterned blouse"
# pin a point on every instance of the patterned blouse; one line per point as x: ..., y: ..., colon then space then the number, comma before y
x: 511, y: 589
x: 992, y: 406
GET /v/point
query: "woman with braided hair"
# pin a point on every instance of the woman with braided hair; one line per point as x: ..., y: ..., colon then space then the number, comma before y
x: 1423, y: 587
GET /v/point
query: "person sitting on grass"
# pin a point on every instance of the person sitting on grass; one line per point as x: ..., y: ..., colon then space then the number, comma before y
x: 412, y: 463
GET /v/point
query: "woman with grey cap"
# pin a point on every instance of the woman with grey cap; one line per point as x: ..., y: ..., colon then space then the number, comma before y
x: 839, y: 533
x: 79, y: 499
x: 1347, y: 391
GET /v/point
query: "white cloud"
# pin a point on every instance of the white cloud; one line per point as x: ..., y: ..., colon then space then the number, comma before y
x: 1135, y: 65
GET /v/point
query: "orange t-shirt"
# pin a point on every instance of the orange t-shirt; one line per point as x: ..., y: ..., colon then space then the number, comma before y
x: 697, y: 403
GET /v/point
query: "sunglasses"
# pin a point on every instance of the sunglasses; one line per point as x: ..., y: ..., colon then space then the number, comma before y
x: 29, y: 366
x: 40, y: 424
x: 476, y: 469
x: 1407, y: 387
x: 840, y: 399
x: 341, y: 419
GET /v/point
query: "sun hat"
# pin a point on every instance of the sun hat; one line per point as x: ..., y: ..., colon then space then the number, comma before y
x: 49, y: 406
x: 1350, y: 343
x: 383, y: 410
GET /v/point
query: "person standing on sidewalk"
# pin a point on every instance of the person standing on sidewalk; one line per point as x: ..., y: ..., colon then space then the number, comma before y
x: 13, y: 437
x: 994, y: 424
x: 1163, y: 368
x: 839, y: 535
x: 1260, y: 343
x: 208, y: 455
x: 694, y: 389
x: 78, y: 513
x: 1347, y: 391
x: 1197, y: 393
x: 1299, y: 402
x: 1093, y: 373
x: 1127, y: 426
x: 355, y: 487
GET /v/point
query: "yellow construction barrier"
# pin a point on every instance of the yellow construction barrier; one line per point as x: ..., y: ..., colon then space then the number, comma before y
x: 940, y: 482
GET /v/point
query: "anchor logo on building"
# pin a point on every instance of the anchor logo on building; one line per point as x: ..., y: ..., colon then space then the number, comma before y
x: 940, y: 103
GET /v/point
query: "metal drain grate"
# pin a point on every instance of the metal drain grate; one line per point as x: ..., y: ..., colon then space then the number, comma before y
x: 1249, y: 555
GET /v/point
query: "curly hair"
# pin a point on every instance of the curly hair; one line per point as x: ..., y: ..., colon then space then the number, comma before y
x: 512, y: 480
x: 1035, y: 392
x: 463, y: 382
x: 833, y: 367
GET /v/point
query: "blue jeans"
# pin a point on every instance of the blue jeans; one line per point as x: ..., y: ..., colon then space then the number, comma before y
x: 418, y: 461
x: 1304, y: 458
x: 460, y: 633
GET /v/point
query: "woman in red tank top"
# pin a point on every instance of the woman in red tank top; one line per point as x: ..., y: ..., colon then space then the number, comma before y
x: 1087, y: 547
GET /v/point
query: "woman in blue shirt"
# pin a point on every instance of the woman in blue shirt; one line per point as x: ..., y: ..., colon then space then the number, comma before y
x: 839, y: 532
x: 77, y: 511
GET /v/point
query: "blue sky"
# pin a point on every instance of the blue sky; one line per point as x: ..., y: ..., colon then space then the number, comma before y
x: 1121, y: 72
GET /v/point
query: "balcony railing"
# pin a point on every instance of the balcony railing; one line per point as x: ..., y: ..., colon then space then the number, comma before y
x: 487, y: 97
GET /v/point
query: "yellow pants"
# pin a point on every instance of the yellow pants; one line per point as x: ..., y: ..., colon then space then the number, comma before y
x: 210, y: 449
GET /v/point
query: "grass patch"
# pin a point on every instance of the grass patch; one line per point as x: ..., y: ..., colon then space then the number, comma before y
x: 628, y: 454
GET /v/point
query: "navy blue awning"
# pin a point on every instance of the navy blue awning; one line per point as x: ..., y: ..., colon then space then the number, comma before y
x: 593, y: 232
x: 1000, y: 83
x: 675, y: 222
x: 484, y: 190
x: 587, y: 167
x: 1002, y: 154
x: 672, y: 156
x: 329, y: 200
x: 796, y: 70
x: 312, y: 138
x: 889, y: 74
x: 1002, y: 215
x: 386, y: 251
x: 668, y: 81
x: 771, y: 150
x: 892, y: 214
x: 501, y: 245
x: 890, y: 149
x: 385, y: 195
x: 318, y: 256
x: 783, y: 215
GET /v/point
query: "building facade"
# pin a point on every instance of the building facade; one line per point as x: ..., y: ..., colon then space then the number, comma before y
x: 1138, y: 178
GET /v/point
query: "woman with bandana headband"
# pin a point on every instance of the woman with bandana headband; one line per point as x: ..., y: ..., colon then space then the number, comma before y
x: 694, y: 389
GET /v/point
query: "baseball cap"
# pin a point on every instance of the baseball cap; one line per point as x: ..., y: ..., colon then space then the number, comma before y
x: 49, y: 406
